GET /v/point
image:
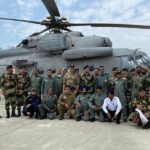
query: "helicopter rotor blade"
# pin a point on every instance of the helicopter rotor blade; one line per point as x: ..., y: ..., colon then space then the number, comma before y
x: 38, y: 33
x: 21, y: 20
x: 114, y: 25
x: 51, y: 7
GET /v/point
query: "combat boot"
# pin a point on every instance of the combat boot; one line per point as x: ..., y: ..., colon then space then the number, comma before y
x: 19, y: 113
x: 8, y: 114
x: 13, y: 114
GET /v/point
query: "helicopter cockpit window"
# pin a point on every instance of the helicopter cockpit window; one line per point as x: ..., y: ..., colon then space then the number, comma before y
x: 143, y: 59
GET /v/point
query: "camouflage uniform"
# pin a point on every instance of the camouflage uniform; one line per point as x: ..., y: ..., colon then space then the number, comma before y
x: 97, y: 100
x: 66, y: 99
x: 8, y: 85
x: 36, y: 82
x: 111, y: 82
x: 82, y: 108
x: 47, y: 83
x: 49, y: 103
x: 139, y: 81
x: 71, y: 80
x: 102, y: 81
x: 23, y: 85
x: 88, y: 81
x: 145, y: 103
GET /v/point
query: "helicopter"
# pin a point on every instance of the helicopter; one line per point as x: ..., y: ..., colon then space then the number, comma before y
x: 62, y: 46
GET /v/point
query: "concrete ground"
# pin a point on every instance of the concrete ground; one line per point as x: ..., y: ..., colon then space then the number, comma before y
x: 30, y: 134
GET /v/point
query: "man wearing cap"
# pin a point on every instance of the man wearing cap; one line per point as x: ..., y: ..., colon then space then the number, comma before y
x: 31, y: 105
x: 102, y: 80
x: 48, y: 106
x: 71, y: 79
x: 112, y: 108
x: 36, y: 81
x: 47, y: 83
x: 87, y: 79
x: 66, y: 103
x: 120, y: 89
x: 23, y: 87
x: 8, y: 86
x: 81, y: 104
x: 95, y: 104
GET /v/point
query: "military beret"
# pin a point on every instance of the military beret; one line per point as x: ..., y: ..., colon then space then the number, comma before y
x: 9, y: 67
x: 71, y: 66
x: 84, y: 88
x: 115, y: 68
x: 85, y: 67
x: 99, y: 87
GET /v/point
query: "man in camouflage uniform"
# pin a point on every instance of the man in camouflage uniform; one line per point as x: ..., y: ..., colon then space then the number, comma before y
x: 95, y: 104
x: 36, y: 81
x: 87, y: 79
x: 47, y: 83
x: 8, y: 86
x: 23, y: 87
x: 128, y: 79
x: 71, y: 79
x: 48, y: 106
x: 120, y: 89
x: 66, y: 103
x: 81, y: 104
x: 139, y: 81
x: 141, y: 105
x: 102, y: 80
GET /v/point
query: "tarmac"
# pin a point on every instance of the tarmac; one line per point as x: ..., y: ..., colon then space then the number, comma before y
x: 30, y: 134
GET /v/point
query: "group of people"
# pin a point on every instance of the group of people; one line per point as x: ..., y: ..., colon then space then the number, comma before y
x: 79, y: 94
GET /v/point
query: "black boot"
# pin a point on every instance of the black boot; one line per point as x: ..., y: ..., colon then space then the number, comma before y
x: 8, y: 114
x: 13, y: 114
x: 19, y: 113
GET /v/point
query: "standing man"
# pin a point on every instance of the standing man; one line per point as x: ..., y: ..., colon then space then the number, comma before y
x: 58, y: 82
x: 47, y: 83
x: 23, y: 87
x: 71, y: 79
x: 8, y: 86
x: 87, y: 79
x: 112, y: 108
x: 95, y: 104
x: 102, y: 80
x: 36, y: 81
x: 120, y: 89
x: 66, y: 103
x: 49, y: 105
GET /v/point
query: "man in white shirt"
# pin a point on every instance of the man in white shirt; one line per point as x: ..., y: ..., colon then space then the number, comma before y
x: 112, y: 107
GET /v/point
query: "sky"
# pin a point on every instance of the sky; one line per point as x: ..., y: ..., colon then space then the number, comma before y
x: 98, y: 11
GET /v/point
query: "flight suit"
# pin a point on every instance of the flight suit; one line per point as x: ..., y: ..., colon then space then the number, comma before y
x: 36, y: 82
x: 120, y: 89
x: 102, y: 81
x: 48, y: 106
x: 47, y: 83
x: 82, y: 108
x: 71, y: 80
x: 66, y: 99
x: 8, y: 86
x: 97, y: 100
x: 58, y: 85
x: 88, y: 81
x: 23, y: 87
